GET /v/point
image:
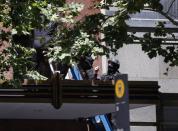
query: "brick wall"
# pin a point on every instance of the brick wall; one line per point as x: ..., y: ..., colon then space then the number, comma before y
x: 89, y: 9
x: 3, y: 45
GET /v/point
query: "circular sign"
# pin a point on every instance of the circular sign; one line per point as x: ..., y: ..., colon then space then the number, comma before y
x: 119, y: 88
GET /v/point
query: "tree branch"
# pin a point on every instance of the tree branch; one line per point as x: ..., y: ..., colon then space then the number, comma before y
x: 170, y: 6
x: 169, y: 18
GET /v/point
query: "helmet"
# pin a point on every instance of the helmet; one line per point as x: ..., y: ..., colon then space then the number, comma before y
x: 113, y: 66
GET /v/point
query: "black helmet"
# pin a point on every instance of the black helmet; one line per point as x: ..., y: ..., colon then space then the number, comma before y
x: 113, y: 66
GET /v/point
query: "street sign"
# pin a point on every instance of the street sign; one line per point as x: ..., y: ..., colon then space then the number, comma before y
x: 120, y: 118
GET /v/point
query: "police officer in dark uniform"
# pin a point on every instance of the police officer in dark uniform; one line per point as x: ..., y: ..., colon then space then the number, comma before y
x: 113, y: 70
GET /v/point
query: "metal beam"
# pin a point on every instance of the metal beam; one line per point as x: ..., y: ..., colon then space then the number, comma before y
x: 81, y: 92
x: 150, y: 29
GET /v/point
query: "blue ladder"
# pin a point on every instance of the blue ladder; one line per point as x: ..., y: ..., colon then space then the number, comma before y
x: 105, y: 121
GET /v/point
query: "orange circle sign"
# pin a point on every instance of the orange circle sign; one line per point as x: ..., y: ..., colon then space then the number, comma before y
x: 119, y: 88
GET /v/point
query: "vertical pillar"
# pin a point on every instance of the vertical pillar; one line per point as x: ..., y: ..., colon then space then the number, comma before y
x: 56, y: 91
x: 159, y: 114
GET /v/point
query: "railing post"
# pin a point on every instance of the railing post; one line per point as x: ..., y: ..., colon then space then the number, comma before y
x: 56, y: 91
x: 159, y: 113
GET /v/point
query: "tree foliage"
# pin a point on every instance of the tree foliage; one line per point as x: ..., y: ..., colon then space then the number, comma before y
x: 20, y: 18
x: 71, y: 37
x: 117, y: 29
